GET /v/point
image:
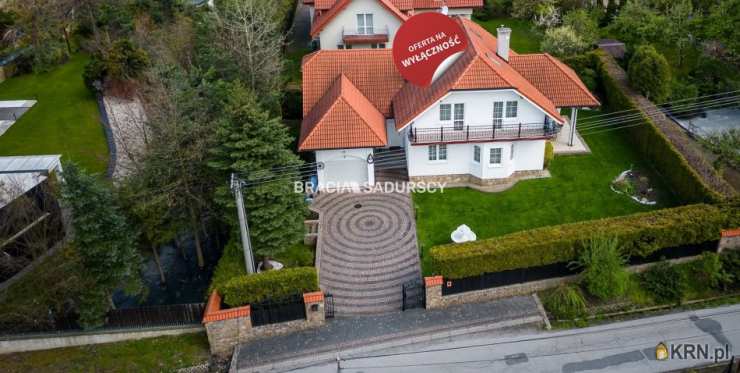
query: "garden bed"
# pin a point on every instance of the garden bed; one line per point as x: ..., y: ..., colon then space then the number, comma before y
x: 636, y: 185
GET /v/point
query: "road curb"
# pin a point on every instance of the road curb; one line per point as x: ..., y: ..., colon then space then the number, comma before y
x: 332, y: 353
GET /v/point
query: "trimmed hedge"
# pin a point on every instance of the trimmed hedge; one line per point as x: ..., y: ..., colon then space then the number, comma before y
x: 655, y: 146
x: 279, y: 284
x: 638, y: 234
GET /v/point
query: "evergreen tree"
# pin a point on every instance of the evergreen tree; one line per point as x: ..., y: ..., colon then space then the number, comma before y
x: 105, y: 241
x: 650, y: 74
x: 250, y: 140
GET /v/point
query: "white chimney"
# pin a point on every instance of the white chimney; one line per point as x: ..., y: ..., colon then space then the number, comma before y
x: 502, y: 44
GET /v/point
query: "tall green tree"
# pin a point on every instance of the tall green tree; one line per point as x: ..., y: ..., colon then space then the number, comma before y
x: 722, y: 24
x: 251, y: 141
x: 650, y: 73
x: 105, y: 241
x: 638, y: 23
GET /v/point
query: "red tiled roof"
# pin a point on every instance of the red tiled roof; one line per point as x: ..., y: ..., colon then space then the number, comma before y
x: 372, y: 71
x: 343, y: 118
x: 322, y: 20
x: 479, y: 67
x: 554, y: 79
x: 435, y: 4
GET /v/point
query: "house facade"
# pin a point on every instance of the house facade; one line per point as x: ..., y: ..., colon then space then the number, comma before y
x: 358, y: 24
x: 484, y: 120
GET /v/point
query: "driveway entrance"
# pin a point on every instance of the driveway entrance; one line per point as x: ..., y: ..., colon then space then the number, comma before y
x: 366, y: 250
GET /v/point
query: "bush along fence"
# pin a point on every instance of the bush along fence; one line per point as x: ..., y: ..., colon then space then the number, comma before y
x: 262, y: 305
x: 528, y: 261
x: 660, y: 141
x: 228, y: 327
x: 442, y: 292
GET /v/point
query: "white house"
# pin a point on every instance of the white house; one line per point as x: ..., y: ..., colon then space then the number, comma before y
x: 484, y: 120
x: 354, y: 24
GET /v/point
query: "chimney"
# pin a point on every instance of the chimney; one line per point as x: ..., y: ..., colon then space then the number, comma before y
x: 502, y: 44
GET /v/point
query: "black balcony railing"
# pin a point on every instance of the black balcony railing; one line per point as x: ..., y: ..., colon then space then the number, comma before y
x: 448, y: 134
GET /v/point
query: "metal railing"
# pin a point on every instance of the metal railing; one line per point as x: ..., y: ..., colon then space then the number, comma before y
x: 446, y: 134
x: 365, y: 31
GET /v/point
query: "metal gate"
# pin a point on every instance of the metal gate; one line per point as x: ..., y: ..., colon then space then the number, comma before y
x: 413, y: 294
x: 328, y: 306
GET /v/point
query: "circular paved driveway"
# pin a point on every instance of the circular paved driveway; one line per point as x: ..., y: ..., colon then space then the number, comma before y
x: 366, y: 250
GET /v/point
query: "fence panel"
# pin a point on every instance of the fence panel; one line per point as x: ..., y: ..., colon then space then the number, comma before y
x: 276, y: 311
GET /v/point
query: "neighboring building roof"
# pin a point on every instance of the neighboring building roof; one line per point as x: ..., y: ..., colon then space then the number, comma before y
x: 343, y: 118
x: 479, y: 67
x: 554, y: 79
x: 436, y: 4
x: 372, y: 71
x: 324, y: 18
x: 20, y: 174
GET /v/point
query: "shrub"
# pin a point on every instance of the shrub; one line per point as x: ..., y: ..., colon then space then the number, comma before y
x: 665, y: 282
x: 603, y: 268
x: 731, y: 265
x: 549, y: 153
x: 278, y: 284
x: 639, y: 235
x: 565, y: 302
x: 563, y: 41
x: 229, y: 266
x: 709, y: 272
x: 650, y: 73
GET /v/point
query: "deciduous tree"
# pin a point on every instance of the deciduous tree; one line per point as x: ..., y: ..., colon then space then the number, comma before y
x: 650, y: 73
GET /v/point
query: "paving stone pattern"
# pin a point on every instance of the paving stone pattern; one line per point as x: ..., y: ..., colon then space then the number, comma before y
x: 367, y: 250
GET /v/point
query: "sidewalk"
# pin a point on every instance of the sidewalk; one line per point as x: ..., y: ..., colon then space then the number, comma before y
x: 365, y: 334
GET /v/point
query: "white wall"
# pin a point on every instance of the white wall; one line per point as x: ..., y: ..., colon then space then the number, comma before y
x: 331, y: 35
x: 394, y: 137
x: 479, y: 109
x: 528, y: 155
x: 345, y: 166
x: 463, y: 12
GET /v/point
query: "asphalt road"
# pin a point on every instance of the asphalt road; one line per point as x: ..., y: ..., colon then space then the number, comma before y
x: 619, y: 347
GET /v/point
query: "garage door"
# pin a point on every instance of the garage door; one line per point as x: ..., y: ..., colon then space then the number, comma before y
x: 346, y: 172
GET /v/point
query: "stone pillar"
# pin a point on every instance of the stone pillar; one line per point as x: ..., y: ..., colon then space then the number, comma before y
x: 730, y: 240
x: 226, y: 328
x: 314, y: 303
x: 433, y: 287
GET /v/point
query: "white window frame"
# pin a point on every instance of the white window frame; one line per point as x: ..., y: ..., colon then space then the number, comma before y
x: 476, y: 154
x: 437, y: 153
x: 498, y: 114
x: 458, y: 121
x: 500, y: 157
x: 448, y: 109
x: 365, y: 24
x: 512, y: 109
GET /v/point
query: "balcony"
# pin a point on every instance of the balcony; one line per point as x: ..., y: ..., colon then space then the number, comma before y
x: 365, y: 35
x: 502, y: 132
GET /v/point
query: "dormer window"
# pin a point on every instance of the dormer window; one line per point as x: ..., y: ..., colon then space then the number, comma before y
x: 365, y: 24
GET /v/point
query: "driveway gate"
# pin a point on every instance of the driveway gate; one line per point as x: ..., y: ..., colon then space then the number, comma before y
x: 413, y: 294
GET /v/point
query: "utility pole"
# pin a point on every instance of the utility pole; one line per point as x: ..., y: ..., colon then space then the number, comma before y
x: 573, y: 122
x: 236, y: 187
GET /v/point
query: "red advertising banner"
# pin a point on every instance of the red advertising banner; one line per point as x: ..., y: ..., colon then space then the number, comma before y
x: 423, y: 43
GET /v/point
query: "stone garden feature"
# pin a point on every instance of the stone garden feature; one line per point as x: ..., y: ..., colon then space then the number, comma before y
x: 636, y: 185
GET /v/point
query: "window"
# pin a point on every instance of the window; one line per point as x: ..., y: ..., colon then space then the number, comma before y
x: 381, y: 45
x: 340, y: 46
x: 511, y: 151
x: 498, y: 114
x: 348, y: 46
x: 459, y: 116
x: 445, y: 112
x: 365, y: 24
x: 495, y: 157
x: 438, y: 152
x: 476, y: 153
x: 511, y: 108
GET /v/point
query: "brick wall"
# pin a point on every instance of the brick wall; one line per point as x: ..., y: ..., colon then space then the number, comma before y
x: 228, y: 327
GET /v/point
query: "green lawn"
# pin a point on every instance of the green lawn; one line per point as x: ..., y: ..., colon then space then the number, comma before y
x: 65, y: 120
x: 165, y: 354
x: 524, y: 37
x: 578, y: 190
